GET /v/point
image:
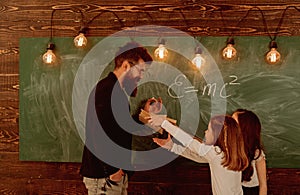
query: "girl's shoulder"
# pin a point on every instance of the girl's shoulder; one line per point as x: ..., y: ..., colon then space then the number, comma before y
x: 214, y: 152
x: 259, y: 155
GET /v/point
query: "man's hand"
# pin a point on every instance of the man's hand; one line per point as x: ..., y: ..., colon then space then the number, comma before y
x: 117, y: 176
x: 165, y: 143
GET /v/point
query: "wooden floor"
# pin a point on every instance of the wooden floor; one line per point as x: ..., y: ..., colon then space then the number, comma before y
x: 178, y: 177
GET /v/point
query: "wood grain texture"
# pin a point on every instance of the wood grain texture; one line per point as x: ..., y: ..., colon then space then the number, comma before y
x: 191, y: 16
x: 32, y: 19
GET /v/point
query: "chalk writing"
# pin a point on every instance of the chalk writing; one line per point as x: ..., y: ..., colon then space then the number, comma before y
x: 209, y: 88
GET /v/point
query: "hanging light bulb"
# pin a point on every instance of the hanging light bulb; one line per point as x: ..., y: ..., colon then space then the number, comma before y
x: 273, y: 56
x: 198, y: 60
x: 49, y: 57
x: 161, y: 52
x: 229, y: 52
x: 80, y: 41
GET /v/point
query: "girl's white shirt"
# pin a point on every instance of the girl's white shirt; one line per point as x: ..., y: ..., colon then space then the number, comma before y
x: 224, y: 181
x: 254, y: 179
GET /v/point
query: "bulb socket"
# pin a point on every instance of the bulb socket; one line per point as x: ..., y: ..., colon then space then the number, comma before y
x: 230, y: 40
x: 162, y: 41
x: 198, y: 50
x: 273, y: 44
x: 83, y: 29
x: 51, y: 46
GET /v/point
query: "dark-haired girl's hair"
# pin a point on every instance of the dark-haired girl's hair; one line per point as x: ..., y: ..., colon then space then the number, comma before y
x: 251, y: 130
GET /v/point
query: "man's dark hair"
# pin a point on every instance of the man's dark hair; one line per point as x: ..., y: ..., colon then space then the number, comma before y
x: 132, y: 52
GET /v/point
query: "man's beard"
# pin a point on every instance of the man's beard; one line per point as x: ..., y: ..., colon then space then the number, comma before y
x: 130, y: 86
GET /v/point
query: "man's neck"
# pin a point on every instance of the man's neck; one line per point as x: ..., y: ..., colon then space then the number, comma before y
x: 119, y: 76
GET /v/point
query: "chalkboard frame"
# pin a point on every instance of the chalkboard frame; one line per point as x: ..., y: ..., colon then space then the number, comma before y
x: 272, y: 89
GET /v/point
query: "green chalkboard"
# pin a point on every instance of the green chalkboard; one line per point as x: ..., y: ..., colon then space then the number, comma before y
x: 53, y: 98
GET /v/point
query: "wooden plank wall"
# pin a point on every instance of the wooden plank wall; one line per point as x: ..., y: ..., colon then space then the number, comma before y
x: 20, y: 18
